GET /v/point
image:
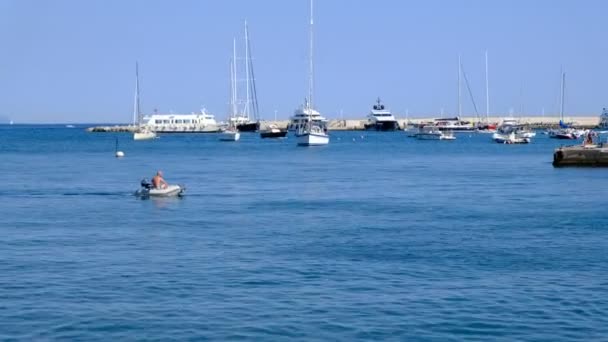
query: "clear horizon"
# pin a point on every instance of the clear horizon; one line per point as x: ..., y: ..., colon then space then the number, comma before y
x: 73, y: 62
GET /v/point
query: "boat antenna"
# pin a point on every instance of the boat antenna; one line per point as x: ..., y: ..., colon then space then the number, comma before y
x: 310, y: 60
x: 136, y: 113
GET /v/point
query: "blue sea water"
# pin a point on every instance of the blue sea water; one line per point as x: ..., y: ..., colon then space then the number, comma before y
x: 373, y: 237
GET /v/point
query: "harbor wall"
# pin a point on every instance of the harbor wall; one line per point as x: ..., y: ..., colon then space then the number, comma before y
x: 359, y: 124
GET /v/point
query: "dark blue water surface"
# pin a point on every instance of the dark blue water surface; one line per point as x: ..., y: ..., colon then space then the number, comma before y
x: 373, y: 237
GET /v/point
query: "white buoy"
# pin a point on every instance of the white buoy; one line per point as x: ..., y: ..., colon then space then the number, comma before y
x: 118, y: 154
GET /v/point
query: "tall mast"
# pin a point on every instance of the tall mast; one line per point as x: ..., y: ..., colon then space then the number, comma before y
x: 254, y: 93
x: 311, y: 66
x: 234, y: 97
x: 247, y: 80
x: 487, y: 91
x: 459, y: 91
x: 561, y: 106
x: 136, y: 113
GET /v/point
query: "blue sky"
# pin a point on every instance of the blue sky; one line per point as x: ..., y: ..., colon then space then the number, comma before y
x: 73, y: 61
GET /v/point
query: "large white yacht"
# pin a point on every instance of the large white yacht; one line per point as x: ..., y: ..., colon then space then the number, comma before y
x: 381, y: 119
x: 202, y: 122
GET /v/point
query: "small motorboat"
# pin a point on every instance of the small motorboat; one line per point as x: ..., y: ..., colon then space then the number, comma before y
x: 273, y: 132
x: 510, y: 138
x: 147, y: 190
x: 230, y: 134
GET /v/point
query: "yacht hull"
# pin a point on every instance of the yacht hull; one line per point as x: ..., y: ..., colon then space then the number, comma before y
x: 312, y: 139
x: 230, y: 136
x: 144, y: 135
x: 266, y: 135
x: 248, y: 127
x: 383, y: 126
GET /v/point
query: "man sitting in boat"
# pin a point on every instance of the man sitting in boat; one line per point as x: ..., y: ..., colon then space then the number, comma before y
x: 158, y: 182
x: 589, y: 139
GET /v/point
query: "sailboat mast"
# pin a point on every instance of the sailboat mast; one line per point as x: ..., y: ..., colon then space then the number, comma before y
x: 459, y: 87
x: 487, y: 91
x: 561, y: 106
x: 247, y: 80
x: 254, y: 93
x: 136, y: 114
x: 311, y: 65
x: 234, y: 85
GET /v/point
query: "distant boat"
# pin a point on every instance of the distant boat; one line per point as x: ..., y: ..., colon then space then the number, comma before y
x: 431, y: 132
x: 564, y: 131
x: 312, y: 133
x: 381, y: 119
x: 510, y: 138
x: 273, y: 132
x: 142, y: 132
x: 69, y: 126
x: 231, y: 132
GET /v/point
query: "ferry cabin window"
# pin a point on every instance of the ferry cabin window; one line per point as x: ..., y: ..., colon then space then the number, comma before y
x: 178, y: 121
x: 166, y: 121
x: 158, y: 121
x: 186, y: 121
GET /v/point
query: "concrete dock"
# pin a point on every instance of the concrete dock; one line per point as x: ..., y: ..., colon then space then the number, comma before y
x: 586, y: 155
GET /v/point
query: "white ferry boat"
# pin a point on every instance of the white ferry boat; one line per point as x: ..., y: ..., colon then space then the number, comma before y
x: 303, y: 114
x: 202, y: 122
x: 381, y: 119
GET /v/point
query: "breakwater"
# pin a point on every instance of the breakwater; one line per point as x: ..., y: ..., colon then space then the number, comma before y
x: 535, y: 122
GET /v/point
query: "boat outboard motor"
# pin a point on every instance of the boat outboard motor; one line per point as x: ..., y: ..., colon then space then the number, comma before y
x: 145, y: 183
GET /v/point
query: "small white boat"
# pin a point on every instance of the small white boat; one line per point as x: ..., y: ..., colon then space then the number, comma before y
x: 312, y: 136
x: 231, y: 132
x: 147, y: 190
x: 311, y: 132
x: 510, y: 138
x: 143, y: 132
x: 230, y: 135
x: 433, y: 133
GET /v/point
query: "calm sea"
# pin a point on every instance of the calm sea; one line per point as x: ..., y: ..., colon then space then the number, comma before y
x: 373, y: 237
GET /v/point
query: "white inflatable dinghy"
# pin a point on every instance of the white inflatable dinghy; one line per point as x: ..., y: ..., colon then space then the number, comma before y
x: 147, y: 190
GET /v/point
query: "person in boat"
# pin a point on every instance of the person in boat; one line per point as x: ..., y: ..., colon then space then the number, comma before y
x: 589, y: 138
x: 158, y: 181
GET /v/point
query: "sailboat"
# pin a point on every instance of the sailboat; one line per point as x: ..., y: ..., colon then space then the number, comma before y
x: 313, y: 133
x: 248, y: 119
x: 231, y: 132
x: 564, y: 131
x: 142, y: 132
